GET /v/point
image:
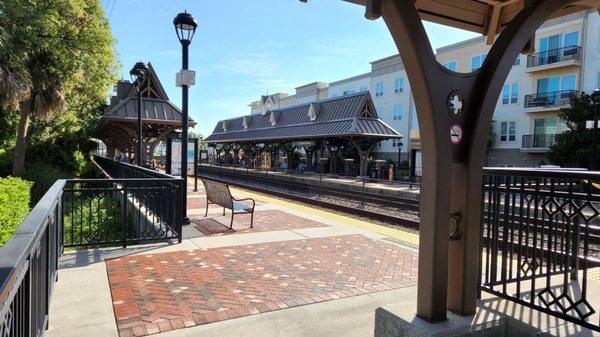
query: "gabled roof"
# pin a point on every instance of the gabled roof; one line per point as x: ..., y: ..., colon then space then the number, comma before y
x: 347, y: 116
x: 153, y: 110
x: 152, y: 87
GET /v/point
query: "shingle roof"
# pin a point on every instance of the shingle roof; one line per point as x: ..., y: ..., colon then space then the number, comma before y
x: 346, y: 116
x: 154, y: 110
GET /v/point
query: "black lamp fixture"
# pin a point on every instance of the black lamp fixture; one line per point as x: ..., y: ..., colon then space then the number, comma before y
x: 185, y: 27
x: 138, y: 74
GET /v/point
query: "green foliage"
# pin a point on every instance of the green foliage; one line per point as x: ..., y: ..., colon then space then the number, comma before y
x: 92, y: 219
x: 64, y: 52
x: 14, y: 205
x: 574, y: 147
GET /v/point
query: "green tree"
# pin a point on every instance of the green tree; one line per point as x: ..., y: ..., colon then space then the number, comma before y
x: 62, y: 52
x: 574, y: 147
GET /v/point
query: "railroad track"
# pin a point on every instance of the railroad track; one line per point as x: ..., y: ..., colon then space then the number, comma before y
x: 302, y: 191
x: 366, y: 197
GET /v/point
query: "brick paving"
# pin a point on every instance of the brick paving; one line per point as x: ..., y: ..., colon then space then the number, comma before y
x: 264, y: 221
x: 162, y: 292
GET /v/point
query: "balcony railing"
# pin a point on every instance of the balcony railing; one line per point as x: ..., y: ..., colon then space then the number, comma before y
x: 549, y: 99
x: 539, y: 141
x: 569, y: 53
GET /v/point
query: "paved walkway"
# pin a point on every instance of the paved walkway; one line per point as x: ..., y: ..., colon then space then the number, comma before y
x: 295, y: 267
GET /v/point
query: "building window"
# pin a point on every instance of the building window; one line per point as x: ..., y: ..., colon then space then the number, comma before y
x: 398, y: 112
x: 477, y: 61
x: 349, y: 92
x: 399, y: 85
x: 363, y: 89
x: 379, y: 89
x: 450, y: 65
x: 517, y: 60
x: 395, y: 142
x: 553, y: 84
x: 510, y: 93
x: 508, y: 131
x: 571, y: 39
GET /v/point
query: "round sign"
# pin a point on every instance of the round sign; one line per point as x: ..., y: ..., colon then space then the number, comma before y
x: 455, y: 104
x: 456, y: 134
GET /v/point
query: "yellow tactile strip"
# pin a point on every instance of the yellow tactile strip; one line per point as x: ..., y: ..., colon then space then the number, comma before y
x: 404, y: 236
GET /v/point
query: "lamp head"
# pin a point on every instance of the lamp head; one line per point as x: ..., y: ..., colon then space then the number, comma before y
x: 595, y: 97
x: 138, y: 74
x: 185, y: 27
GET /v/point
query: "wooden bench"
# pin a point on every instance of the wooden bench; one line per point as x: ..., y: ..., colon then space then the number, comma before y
x: 219, y: 194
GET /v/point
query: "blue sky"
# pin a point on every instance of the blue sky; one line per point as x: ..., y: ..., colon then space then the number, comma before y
x: 246, y: 48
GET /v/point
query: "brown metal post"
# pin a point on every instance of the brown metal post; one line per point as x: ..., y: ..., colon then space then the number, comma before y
x: 452, y: 172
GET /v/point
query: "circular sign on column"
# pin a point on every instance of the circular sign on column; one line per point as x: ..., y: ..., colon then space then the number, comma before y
x: 455, y: 104
x: 456, y: 134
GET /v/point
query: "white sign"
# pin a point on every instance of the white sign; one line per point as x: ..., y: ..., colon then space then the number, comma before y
x: 185, y: 77
x: 456, y: 134
x: 176, y: 158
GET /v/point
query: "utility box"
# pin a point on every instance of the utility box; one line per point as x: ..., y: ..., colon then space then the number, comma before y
x: 185, y: 77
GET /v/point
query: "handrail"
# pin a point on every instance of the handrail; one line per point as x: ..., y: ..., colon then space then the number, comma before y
x: 541, y: 172
x: 35, y: 244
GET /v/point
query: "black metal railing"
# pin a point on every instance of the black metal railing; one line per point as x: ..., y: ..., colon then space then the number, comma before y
x: 83, y: 213
x: 550, y: 99
x: 121, y: 211
x: 567, y: 53
x: 539, y: 238
x: 28, y: 267
x: 539, y: 141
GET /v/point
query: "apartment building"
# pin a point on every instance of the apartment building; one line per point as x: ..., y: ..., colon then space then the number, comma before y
x: 565, y: 63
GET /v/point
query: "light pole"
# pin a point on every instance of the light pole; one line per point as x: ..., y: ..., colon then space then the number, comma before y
x: 138, y: 77
x: 593, y: 124
x: 185, y: 27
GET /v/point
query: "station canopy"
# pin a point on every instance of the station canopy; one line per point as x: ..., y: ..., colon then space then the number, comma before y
x: 350, y: 117
x: 160, y: 117
x: 486, y: 17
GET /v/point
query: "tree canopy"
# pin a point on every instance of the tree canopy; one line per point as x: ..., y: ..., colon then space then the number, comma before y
x: 574, y: 147
x: 58, y: 60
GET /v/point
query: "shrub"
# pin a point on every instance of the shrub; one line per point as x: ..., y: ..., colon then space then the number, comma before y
x: 14, y: 205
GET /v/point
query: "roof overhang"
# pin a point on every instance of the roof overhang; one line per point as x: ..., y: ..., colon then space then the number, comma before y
x: 486, y: 17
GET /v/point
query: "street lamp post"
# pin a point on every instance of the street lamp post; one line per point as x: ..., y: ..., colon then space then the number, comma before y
x: 138, y: 77
x: 185, y: 27
x: 595, y: 96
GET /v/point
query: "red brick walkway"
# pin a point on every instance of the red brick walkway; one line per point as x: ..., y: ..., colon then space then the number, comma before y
x: 161, y: 292
x: 264, y: 221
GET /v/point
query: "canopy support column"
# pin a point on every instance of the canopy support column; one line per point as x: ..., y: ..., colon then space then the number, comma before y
x: 364, y: 148
x: 454, y: 114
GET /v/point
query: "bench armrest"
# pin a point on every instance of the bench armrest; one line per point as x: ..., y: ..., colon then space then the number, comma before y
x: 245, y: 199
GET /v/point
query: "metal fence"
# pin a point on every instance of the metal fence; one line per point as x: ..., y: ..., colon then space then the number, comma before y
x: 540, y: 235
x: 121, y: 211
x: 550, y: 99
x: 86, y: 212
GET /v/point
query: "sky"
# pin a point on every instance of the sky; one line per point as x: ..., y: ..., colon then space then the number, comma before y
x: 246, y: 48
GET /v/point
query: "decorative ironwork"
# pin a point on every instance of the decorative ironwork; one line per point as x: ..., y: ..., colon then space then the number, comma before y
x: 539, y: 238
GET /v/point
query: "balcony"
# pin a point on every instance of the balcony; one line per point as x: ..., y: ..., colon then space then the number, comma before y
x: 548, y: 101
x: 561, y: 57
x: 539, y: 143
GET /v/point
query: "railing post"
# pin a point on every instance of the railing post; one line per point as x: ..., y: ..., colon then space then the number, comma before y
x: 124, y: 224
x: 180, y: 219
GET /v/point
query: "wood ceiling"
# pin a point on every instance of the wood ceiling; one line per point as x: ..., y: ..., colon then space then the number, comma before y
x: 487, y: 17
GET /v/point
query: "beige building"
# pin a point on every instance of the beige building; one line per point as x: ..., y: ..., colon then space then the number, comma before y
x: 566, y: 62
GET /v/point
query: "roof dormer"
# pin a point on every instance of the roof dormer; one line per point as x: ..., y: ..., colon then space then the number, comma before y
x: 313, y: 111
x: 246, y: 122
x: 225, y: 125
x: 267, y: 106
x: 274, y: 117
